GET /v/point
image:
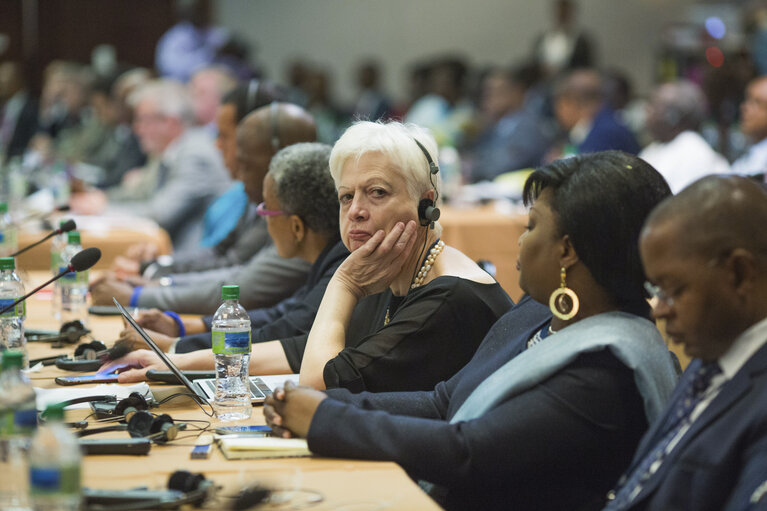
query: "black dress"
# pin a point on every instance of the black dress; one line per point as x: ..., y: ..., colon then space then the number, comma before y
x: 433, y: 331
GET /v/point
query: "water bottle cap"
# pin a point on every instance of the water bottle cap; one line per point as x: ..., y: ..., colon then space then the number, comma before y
x: 3, y: 207
x: 7, y: 263
x: 230, y: 292
x: 73, y: 237
x: 13, y: 358
x: 55, y: 412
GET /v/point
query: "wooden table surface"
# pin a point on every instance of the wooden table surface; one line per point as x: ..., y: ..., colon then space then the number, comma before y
x: 342, y: 484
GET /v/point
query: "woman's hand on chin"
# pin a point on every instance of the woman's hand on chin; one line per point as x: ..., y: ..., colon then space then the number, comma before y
x: 373, y: 267
x: 132, y: 367
x: 289, y: 410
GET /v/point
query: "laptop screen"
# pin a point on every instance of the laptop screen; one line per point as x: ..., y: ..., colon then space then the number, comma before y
x: 181, y: 377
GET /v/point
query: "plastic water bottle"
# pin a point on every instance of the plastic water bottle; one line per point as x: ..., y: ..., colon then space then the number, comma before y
x: 72, y: 287
x: 231, y: 346
x: 54, y: 465
x: 12, y: 321
x: 58, y: 243
x: 8, y: 236
x: 18, y: 421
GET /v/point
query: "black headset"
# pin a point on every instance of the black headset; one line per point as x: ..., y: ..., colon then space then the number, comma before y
x: 428, y: 213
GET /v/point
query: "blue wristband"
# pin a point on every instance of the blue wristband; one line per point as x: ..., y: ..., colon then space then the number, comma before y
x: 177, y: 319
x: 134, y: 296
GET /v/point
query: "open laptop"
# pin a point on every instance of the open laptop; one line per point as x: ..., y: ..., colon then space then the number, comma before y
x: 205, y: 388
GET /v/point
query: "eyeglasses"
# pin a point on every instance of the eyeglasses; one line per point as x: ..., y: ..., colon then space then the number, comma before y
x: 656, y: 293
x: 262, y: 211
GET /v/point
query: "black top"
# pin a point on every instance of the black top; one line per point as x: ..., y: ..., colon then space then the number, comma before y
x: 434, y: 330
x: 292, y: 316
x: 561, y: 445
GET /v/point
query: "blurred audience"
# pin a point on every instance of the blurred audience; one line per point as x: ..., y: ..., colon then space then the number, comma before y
x: 514, y: 138
x: 674, y: 117
x: 232, y: 233
x: 444, y: 109
x: 206, y: 88
x: 564, y: 46
x: 265, y: 278
x: 753, y: 114
x: 18, y: 112
x: 185, y: 172
x: 190, y: 44
x: 372, y: 104
x: 588, y: 121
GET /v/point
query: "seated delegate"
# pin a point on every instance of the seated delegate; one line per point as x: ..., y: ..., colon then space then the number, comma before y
x: 300, y: 206
x: 421, y: 322
x: 550, y: 409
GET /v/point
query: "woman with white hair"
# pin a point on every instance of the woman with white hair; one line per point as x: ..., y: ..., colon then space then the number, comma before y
x: 404, y: 309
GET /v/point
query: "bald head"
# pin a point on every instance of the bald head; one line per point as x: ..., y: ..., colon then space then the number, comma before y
x: 675, y: 107
x: 715, y: 215
x: 264, y: 132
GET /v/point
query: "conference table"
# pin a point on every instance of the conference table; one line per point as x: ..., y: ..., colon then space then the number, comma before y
x: 308, y: 483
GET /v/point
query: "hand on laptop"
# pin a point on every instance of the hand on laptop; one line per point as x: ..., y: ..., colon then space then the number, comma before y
x: 132, y: 367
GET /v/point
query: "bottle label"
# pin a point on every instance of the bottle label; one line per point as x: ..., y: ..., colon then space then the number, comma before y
x: 18, y: 310
x: 231, y: 343
x: 54, y: 480
x: 25, y: 421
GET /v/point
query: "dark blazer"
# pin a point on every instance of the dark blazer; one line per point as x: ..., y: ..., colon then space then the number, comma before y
x: 292, y: 316
x: 25, y: 129
x: 608, y: 132
x: 722, y: 460
x: 560, y: 445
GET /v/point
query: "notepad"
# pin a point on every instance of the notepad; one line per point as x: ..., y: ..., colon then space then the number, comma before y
x: 245, y: 448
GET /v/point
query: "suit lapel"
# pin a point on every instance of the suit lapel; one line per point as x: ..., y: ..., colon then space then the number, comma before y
x: 729, y: 394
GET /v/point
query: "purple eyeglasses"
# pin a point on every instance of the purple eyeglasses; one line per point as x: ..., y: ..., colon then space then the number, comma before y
x: 262, y: 211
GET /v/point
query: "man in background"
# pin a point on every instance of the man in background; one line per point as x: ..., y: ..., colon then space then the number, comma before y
x: 514, y: 138
x: 674, y: 116
x: 753, y: 124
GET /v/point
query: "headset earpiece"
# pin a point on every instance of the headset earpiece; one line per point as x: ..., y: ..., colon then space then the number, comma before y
x: 427, y: 213
x: 130, y: 405
x: 87, y: 351
x: 161, y: 429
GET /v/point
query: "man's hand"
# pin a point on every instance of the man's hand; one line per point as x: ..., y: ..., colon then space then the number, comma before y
x: 154, y: 319
x: 103, y: 290
x: 289, y: 410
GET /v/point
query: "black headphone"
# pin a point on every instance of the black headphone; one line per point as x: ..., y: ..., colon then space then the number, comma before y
x: 428, y: 213
x: 159, y: 428
x: 183, y: 488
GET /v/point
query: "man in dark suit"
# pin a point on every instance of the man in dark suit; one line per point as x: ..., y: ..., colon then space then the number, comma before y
x: 18, y: 112
x: 705, y: 251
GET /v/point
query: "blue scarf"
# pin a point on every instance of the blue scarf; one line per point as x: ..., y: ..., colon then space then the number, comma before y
x: 635, y: 341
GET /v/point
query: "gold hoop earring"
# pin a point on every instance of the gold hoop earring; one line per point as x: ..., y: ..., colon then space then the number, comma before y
x: 564, y: 303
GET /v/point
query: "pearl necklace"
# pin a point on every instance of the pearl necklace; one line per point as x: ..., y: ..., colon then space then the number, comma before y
x: 424, y: 271
x: 427, y: 264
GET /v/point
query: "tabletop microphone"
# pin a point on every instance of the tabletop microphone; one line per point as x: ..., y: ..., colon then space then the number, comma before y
x: 81, y: 261
x: 67, y: 226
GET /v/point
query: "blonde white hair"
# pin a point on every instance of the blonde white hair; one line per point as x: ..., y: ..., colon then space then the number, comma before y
x: 396, y: 141
x: 169, y: 97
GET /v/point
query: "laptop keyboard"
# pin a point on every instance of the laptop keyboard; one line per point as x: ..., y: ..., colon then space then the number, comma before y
x: 258, y: 389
